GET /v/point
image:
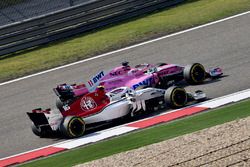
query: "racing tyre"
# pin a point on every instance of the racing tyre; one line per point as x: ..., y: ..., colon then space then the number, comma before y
x: 175, y: 97
x: 35, y: 130
x: 72, y: 127
x: 38, y: 131
x: 194, y: 73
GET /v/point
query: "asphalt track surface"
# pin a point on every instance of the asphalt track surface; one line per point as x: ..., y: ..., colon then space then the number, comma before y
x: 225, y: 44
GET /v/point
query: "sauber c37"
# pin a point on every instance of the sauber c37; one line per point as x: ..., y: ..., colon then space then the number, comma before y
x: 99, y: 107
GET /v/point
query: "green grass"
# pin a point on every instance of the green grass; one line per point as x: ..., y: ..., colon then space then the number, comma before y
x: 147, y: 136
x: 189, y: 14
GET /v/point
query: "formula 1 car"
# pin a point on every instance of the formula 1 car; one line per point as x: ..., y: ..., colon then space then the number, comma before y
x: 99, y: 107
x: 161, y: 75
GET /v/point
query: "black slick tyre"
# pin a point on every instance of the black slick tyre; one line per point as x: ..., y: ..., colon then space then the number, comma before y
x: 72, y: 127
x: 194, y: 73
x: 36, y: 131
x: 175, y: 97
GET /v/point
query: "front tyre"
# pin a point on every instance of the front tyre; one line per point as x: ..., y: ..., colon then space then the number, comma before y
x: 194, y: 73
x: 72, y: 127
x: 175, y: 97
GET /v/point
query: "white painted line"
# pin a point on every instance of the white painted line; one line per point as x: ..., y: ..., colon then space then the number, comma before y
x: 243, y: 96
x: 122, y: 129
x: 126, y: 48
x: 94, y: 137
x: 226, y: 99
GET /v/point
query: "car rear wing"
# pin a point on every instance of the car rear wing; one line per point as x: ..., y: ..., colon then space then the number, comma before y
x: 39, y: 119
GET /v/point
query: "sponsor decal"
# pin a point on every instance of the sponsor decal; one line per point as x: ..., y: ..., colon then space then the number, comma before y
x: 96, y: 78
x: 147, y: 82
x: 95, y: 81
x: 87, y: 103
x: 115, y: 73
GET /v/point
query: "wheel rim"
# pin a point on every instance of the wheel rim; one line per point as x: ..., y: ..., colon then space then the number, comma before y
x: 76, y: 127
x: 179, y: 97
x: 197, y: 73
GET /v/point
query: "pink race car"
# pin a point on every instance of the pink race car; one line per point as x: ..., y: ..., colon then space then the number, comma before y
x: 161, y: 75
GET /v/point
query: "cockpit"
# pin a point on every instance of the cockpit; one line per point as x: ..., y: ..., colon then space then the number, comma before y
x: 120, y: 92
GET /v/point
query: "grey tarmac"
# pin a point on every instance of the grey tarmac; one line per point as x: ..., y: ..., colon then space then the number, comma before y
x: 225, y: 44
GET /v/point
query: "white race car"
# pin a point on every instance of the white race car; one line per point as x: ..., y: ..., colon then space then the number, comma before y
x: 99, y: 107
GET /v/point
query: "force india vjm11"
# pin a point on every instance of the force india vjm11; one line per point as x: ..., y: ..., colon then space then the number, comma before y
x: 79, y: 108
x: 161, y: 75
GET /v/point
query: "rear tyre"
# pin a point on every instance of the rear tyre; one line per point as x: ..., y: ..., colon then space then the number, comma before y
x: 175, y: 97
x: 194, y: 73
x: 41, y: 132
x: 36, y: 131
x: 72, y: 127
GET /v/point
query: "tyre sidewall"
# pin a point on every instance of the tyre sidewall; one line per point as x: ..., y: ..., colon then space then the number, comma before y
x: 37, y: 131
x: 67, y: 127
x: 171, y: 95
x: 189, y: 71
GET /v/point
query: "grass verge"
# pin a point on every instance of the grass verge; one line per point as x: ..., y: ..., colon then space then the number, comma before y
x: 189, y: 14
x: 147, y: 136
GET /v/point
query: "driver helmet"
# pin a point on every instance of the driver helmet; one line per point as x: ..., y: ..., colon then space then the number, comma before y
x: 126, y: 66
x: 101, y: 89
